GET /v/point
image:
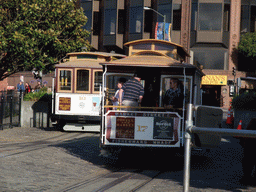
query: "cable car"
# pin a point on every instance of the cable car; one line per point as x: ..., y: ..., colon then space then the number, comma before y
x: 151, y: 124
x: 77, y: 91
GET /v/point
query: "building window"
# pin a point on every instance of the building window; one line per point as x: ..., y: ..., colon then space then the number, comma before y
x: 136, y: 18
x: 194, y: 16
x: 226, y: 17
x: 82, y: 80
x: 65, y: 80
x: 121, y: 21
x: 210, y: 58
x: 96, y: 23
x: 110, y: 21
x: 176, y: 23
x: 210, y: 16
x: 245, y: 10
x: 87, y: 7
x: 97, y: 80
x: 253, y: 19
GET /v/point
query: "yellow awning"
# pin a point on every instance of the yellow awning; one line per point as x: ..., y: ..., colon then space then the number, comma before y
x: 214, y: 80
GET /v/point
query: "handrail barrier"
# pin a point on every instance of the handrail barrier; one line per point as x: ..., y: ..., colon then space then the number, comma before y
x: 193, y: 129
x: 139, y: 107
x: 10, y: 107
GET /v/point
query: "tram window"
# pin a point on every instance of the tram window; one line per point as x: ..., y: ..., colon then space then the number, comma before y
x: 164, y: 47
x: 112, y: 81
x: 97, y: 80
x: 82, y: 80
x: 65, y: 80
x: 145, y: 46
x: 166, y: 86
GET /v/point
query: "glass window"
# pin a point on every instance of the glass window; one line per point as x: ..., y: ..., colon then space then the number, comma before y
x: 163, y: 47
x: 144, y: 46
x: 194, y: 15
x: 176, y: 23
x: 112, y: 80
x: 210, y: 58
x: 245, y: 18
x: 110, y: 21
x: 136, y: 16
x: 65, y: 80
x: 253, y: 19
x: 210, y: 16
x: 166, y: 85
x: 226, y: 17
x: 87, y: 57
x: 97, y: 80
x: 87, y: 7
x: 82, y: 83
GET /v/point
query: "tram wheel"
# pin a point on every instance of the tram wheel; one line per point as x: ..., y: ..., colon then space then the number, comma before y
x: 60, y: 125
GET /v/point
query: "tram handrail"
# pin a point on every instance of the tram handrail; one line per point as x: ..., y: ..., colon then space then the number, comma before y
x: 190, y: 129
x: 163, y: 108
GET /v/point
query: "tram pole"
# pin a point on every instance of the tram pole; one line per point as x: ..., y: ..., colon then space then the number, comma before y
x: 187, y: 157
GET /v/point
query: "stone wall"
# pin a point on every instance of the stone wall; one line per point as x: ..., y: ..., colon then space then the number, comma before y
x: 35, y: 114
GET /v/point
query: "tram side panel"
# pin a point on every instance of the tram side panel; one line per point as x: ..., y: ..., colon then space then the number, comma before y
x: 142, y: 129
x: 74, y: 111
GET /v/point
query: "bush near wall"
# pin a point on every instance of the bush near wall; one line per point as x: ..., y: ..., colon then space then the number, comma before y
x: 36, y: 96
x: 245, y: 101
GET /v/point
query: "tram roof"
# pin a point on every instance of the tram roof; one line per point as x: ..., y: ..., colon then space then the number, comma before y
x: 88, y: 62
x: 154, y: 60
x: 103, y: 54
x: 80, y: 64
x: 181, y: 50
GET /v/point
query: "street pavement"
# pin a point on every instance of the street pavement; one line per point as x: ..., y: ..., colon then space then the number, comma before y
x: 34, y: 159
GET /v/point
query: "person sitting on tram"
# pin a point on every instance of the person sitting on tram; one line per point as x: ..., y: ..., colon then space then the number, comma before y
x: 174, y: 96
x: 115, y: 98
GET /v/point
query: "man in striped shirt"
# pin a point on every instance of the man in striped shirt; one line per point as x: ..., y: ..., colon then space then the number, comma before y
x: 133, y: 92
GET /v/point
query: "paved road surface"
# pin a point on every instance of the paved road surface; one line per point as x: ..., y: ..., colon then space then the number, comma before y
x: 33, y: 159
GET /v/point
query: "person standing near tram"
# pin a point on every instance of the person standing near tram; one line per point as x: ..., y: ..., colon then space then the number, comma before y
x: 174, y: 96
x: 132, y: 91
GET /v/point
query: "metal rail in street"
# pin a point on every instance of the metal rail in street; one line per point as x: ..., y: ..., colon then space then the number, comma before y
x: 190, y: 129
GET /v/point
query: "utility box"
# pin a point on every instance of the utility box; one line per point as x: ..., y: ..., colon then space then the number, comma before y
x: 211, y: 117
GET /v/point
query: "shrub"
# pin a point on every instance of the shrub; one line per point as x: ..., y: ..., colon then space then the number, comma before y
x: 35, y: 96
x: 245, y: 101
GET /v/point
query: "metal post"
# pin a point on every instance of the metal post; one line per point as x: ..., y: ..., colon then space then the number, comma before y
x: 20, y: 99
x: 164, y: 27
x: 189, y: 123
x: 2, y: 111
x: 11, y: 109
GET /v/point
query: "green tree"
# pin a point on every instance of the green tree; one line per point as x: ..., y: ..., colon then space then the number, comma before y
x: 247, y: 52
x: 39, y: 33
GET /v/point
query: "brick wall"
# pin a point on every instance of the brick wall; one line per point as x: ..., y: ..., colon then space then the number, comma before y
x: 3, y: 85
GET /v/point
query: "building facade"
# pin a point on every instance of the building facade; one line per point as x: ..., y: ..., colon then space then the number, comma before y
x: 209, y: 30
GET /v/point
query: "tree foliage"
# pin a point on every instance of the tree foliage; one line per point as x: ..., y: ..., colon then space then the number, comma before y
x: 38, y: 33
x: 247, y: 52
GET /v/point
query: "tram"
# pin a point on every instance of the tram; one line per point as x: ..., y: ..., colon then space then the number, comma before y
x: 78, y: 83
x: 151, y: 124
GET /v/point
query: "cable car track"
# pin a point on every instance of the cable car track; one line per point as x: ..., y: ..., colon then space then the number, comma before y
x: 118, y: 180
x: 19, y: 148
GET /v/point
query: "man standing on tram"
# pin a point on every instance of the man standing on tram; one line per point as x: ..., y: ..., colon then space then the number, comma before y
x: 133, y: 92
x: 174, y: 96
